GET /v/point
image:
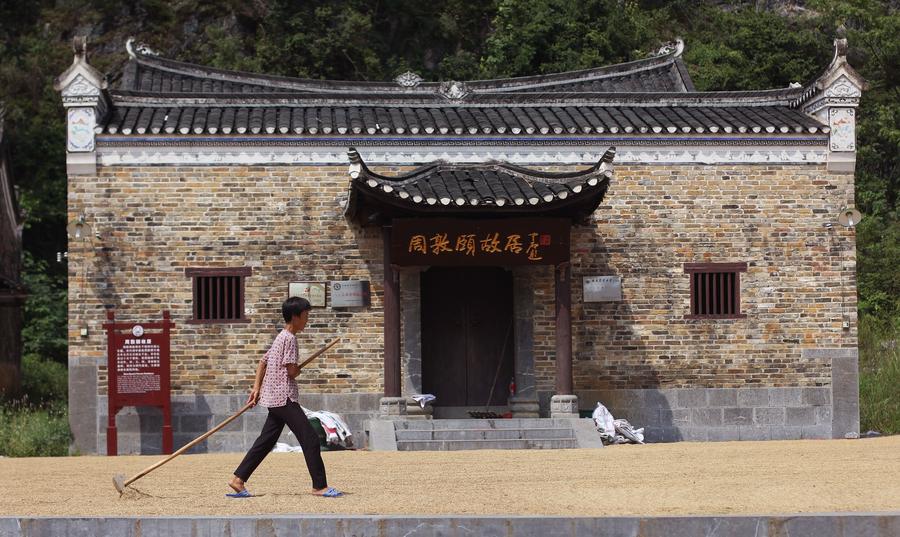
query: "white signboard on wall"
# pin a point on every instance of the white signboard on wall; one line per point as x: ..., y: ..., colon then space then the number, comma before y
x: 349, y: 294
x: 312, y: 291
x: 602, y: 288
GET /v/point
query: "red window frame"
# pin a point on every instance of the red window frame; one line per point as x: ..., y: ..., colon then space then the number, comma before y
x: 715, y: 290
x: 222, y: 289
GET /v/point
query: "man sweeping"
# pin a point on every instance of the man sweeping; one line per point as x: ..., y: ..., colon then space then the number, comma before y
x: 276, y: 389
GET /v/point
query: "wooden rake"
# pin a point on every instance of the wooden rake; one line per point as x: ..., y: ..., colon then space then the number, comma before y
x: 119, y: 479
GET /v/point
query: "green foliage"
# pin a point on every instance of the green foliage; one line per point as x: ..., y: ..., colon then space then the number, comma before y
x: 43, y: 381
x: 879, y: 256
x: 745, y: 49
x: 544, y: 36
x: 37, y: 424
x: 361, y: 40
x: 879, y: 375
x: 27, y: 431
x: 44, y: 335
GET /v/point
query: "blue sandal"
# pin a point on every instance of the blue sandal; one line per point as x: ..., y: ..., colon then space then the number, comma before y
x: 331, y: 493
x: 242, y: 494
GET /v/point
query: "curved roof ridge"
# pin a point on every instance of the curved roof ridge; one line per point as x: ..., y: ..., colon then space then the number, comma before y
x: 601, y: 166
x: 359, y: 171
x: 666, y: 59
x: 784, y: 96
x: 483, y: 189
x: 669, y: 61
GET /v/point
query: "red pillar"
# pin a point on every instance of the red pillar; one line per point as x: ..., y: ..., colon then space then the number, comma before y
x: 391, y: 321
x: 563, y: 277
x: 112, y: 409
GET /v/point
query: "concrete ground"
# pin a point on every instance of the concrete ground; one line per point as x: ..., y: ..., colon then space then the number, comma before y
x: 726, y: 478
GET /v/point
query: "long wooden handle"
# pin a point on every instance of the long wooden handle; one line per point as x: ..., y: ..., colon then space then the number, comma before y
x: 319, y: 352
x: 192, y: 443
x: 219, y: 427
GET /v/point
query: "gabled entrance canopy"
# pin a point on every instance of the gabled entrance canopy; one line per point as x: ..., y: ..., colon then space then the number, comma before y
x: 488, y: 190
x: 477, y: 214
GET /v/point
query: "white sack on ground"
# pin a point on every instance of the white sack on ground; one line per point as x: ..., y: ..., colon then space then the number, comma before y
x: 614, y: 431
x: 337, y: 432
x: 603, y: 418
x: 630, y: 433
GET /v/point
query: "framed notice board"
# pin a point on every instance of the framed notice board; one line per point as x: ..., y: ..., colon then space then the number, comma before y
x: 138, y: 357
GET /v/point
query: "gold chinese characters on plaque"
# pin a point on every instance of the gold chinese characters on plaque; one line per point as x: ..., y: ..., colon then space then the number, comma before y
x: 450, y: 241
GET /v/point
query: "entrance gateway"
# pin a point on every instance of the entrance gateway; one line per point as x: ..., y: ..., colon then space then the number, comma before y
x: 467, y: 333
x: 465, y: 229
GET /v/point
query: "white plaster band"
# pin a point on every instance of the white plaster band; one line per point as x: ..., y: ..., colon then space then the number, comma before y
x: 275, y: 155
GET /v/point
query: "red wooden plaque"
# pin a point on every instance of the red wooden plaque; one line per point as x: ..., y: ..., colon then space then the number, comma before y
x: 138, y: 372
x: 488, y: 242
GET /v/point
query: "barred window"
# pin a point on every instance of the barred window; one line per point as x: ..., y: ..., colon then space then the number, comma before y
x: 715, y: 290
x: 218, y: 294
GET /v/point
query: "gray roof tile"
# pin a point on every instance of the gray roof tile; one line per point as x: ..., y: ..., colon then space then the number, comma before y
x: 650, y: 96
x: 482, y: 188
x: 459, y: 120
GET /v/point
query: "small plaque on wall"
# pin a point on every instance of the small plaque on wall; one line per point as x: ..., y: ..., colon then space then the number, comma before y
x: 602, y: 289
x: 312, y: 291
x: 350, y: 294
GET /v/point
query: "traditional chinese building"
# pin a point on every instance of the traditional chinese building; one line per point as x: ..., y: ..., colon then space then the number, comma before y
x: 610, y: 235
x: 12, y: 290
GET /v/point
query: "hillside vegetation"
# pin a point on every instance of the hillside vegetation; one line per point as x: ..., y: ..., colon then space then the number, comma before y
x: 730, y: 46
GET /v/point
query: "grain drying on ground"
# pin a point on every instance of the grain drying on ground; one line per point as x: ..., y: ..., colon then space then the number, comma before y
x: 661, y: 479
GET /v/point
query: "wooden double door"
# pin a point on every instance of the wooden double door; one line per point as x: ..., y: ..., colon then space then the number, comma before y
x: 467, y: 335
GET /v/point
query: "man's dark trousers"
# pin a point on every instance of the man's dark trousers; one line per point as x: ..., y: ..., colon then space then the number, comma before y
x: 293, y: 416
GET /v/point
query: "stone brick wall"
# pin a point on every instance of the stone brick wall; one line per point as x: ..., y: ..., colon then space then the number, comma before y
x: 798, y: 290
x: 286, y: 222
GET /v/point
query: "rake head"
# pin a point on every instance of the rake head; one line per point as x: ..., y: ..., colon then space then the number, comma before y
x: 119, y: 483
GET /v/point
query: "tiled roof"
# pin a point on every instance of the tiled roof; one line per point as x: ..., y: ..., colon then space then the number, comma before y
x: 489, y: 188
x: 157, y: 96
x: 582, y: 118
x: 146, y: 72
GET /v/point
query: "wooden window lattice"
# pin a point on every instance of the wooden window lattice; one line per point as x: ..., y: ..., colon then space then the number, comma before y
x: 218, y: 295
x: 715, y: 290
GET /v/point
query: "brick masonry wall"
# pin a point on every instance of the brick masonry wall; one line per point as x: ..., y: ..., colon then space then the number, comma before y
x: 799, y: 288
x: 287, y: 224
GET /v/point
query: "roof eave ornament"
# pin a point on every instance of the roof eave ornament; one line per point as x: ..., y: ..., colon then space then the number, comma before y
x: 605, y: 164
x: 80, y: 79
x: 840, y: 84
x: 674, y: 48
x: 832, y: 100
x: 408, y: 79
x: 453, y: 90
x: 86, y: 101
x: 839, y: 65
x: 357, y: 166
x: 138, y: 49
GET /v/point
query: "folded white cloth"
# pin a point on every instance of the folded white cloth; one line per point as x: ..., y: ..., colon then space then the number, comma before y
x: 616, y: 431
x: 626, y: 430
x: 336, y: 429
x: 423, y: 398
x: 281, y: 447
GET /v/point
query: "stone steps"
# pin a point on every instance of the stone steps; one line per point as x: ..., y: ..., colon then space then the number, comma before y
x: 459, y: 445
x: 484, y: 434
x: 465, y: 434
x: 514, y: 423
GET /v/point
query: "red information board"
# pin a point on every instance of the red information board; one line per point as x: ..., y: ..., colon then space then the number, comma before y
x: 138, y: 371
